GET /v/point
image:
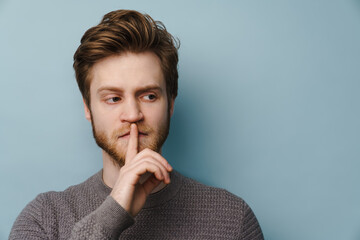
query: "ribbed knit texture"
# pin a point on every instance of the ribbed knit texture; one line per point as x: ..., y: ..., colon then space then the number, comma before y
x: 185, y: 209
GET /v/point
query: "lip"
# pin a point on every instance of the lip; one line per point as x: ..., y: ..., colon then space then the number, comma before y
x: 126, y: 135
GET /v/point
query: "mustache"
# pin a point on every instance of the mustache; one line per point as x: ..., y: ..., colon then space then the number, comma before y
x: 142, y: 129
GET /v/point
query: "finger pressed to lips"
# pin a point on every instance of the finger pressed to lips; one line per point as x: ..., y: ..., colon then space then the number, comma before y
x: 147, y: 160
x: 133, y: 145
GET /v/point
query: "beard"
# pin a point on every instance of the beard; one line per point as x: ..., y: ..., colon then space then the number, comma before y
x: 153, y: 139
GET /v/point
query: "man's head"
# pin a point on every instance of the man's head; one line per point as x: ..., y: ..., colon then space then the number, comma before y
x: 126, y: 69
x: 126, y: 31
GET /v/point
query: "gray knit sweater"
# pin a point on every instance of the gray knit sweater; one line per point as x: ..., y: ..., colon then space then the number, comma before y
x: 185, y: 209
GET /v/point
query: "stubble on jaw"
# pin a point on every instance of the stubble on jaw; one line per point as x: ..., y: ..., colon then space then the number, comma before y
x: 118, y: 153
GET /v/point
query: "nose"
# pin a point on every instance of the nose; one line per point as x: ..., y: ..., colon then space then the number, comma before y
x: 131, y: 111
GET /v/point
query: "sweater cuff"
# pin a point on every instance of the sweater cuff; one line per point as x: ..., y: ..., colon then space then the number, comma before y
x: 115, y: 218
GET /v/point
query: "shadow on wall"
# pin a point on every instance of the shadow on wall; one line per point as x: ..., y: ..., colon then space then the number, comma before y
x: 184, y: 148
x: 358, y: 3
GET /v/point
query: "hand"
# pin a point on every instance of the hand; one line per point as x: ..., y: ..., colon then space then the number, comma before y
x: 128, y: 191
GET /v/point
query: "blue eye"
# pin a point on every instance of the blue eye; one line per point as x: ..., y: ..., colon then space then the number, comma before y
x: 113, y: 100
x: 150, y: 97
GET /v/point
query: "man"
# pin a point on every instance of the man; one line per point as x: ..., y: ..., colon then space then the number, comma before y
x: 126, y: 69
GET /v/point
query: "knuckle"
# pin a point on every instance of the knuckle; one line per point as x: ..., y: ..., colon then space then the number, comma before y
x: 147, y: 150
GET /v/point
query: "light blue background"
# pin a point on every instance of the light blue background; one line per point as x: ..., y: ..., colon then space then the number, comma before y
x: 268, y: 106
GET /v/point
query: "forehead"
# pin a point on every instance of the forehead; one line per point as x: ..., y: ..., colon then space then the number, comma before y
x: 127, y: 71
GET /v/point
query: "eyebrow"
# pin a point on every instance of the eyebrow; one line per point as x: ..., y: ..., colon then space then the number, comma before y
x: 138, y: 90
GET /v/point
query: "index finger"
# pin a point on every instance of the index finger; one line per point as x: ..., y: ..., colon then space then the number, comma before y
x: 132, y: 148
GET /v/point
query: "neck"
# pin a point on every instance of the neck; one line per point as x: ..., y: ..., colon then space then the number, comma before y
x: 111, y: 173
x: 110, y: 170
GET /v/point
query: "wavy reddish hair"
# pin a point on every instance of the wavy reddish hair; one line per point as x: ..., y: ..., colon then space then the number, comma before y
x: 126, y: 31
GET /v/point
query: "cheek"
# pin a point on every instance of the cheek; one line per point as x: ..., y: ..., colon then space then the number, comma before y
x: 102, y: 122
x: 158, y: 115
x: 102, y: 114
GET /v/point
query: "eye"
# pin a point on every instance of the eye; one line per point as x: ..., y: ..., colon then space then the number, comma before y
x: 113, y: 100
x: 150, y: 97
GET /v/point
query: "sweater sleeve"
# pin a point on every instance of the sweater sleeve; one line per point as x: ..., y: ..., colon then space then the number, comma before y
x: 28, y: 225
x: 105, y: 222
x: 108, y: 221
x: 251, y: 228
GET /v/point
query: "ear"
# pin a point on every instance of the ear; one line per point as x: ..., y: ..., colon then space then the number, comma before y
x: 87, y: 111
x: 172, y: 102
